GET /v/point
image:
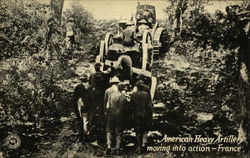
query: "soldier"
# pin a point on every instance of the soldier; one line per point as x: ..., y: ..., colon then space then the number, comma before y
x: 142, y: 105
x: 114, y: 81
x: 124, y: 68
x: 129, y: 35
x: 81, y: 105
x: 148, y: 16
x: 98, y: 84
x: 116, y: 103
x: 70, y: 34
x: 142, y: 26
x: 145, y: 86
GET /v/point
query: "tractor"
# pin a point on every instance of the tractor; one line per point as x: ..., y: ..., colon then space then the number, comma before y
x: 158, y: 33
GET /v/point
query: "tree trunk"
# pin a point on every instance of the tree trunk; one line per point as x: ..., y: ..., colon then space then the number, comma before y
x: 244, y: 89
x: 181, y: 8
x: 57, y: 7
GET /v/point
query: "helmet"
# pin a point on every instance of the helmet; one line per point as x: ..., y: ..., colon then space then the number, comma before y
x: 98, y: 65
x: 114, y: 80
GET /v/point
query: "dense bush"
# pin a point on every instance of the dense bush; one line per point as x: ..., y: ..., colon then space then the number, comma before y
x: 24, y: 28
x: 30, y: 80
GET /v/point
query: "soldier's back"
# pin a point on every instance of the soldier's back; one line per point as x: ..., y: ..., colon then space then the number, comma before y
x: 116, y: 101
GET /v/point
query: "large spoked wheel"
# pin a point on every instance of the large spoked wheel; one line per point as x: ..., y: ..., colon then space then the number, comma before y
x: 100, y: 57
x: 147, y: 59
x: 108, y: 42
x: 153, y: 87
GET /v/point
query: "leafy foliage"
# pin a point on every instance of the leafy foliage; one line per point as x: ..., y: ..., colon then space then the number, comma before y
x: 24, y: 28
x: 30, y: 80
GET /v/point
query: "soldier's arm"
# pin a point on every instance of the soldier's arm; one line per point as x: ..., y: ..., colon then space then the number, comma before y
x: 105, y: 99
x: 132, y: 103
x: 150, y: 105
x: 90, y: 80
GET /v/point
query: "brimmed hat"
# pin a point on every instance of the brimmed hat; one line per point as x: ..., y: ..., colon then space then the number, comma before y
x: 115, y: 80
x: 98, y: 65
x: 126, y: 82
x: 139, y: 83
x: 129, y: 23
x: 84, y: 78
x: 142, y: 21
x: 121, y: 86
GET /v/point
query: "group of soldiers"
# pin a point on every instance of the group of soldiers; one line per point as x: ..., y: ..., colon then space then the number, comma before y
x: 105, y: 104
x: 132, y: 33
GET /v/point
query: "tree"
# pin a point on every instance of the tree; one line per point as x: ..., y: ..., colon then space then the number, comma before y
x: 178, y: 8
x: 57, y: 7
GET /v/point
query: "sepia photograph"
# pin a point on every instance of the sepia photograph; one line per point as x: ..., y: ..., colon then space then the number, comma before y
x: 124, y: 78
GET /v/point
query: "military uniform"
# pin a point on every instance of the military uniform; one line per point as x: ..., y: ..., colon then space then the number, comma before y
x: 81, y: 106
x: 124, y: 68
x: 117, y: 101
x: 143, y: 27
x: 142, y: 105
x: 114, y: 81
x: 98, y: 83
x: 129, y: 35
x: 147, y: 15
x: 70, y: 34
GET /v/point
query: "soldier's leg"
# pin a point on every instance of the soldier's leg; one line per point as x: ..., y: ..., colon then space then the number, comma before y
x: 101, y: 129
x: 109, y: 141
x: 109, y: 131
x: 145, y: 128
x: 118, y: 140
x: 144, y: 139
x: 85, y: 123
x: 79, y: 128
x: 139, y: 142
x: 139, y: 134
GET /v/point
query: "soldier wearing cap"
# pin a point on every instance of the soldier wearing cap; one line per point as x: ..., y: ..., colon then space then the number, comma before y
x: 142, y: 105
x: 148, y: 16
x: 98, y: 84
x: 114, y: 81
x: 81, y: 106
x: 145, y: 86
x: 117, y: 101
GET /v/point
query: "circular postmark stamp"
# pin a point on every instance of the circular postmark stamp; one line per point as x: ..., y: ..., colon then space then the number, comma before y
x: 13, y: 141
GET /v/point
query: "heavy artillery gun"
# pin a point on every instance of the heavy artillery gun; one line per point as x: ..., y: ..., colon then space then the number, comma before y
x: 139, y: 56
